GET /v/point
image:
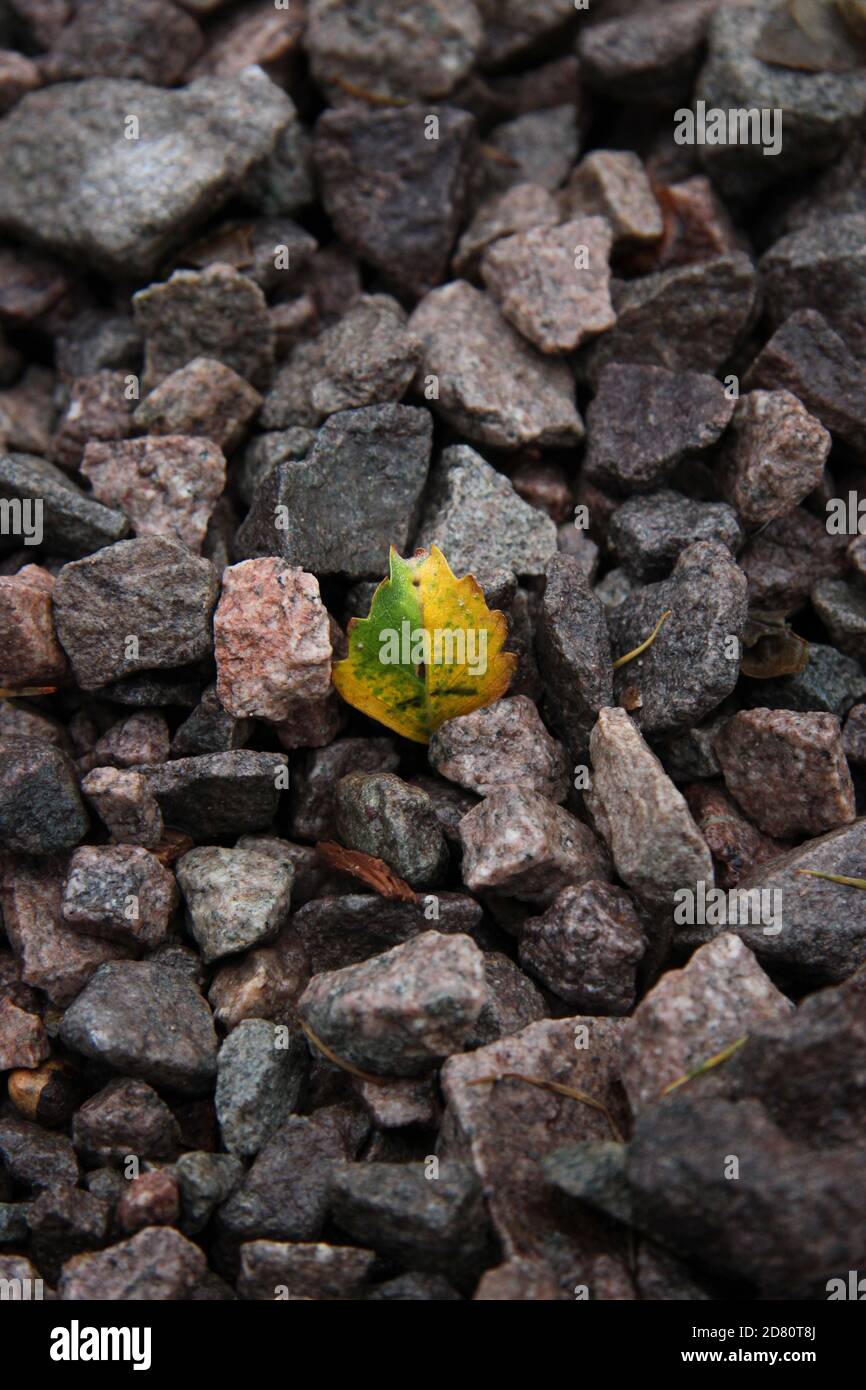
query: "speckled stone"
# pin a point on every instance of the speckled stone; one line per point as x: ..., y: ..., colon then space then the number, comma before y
x: 544, y: 288
x: 645, y: 419
x: 693, y: 1013
x: 492, y: 385
x: 401, y: 1012
x: 272, y: 639
x: 586, y: 948
x: 235, y: 898
x: 382, y: 815
x: 787, y: 771
x: 120, y: 892
x: 506, y: 743
x: 773, y: 456
x: 517, y: 842
x: 655, y: 844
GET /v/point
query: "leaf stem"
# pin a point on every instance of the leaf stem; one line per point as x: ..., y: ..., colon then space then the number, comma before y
x: 558, y: 1089
x: 835, y: 878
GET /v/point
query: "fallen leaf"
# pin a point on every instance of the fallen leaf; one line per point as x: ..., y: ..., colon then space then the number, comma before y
x: 429, y: 650
x: 372, y: 871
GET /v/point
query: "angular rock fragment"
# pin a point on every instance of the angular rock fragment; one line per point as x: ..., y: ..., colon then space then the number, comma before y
x: 378, y: 456
x: 395, y: 196
x: 506, y: 743
x: 613, y: 184
x: 692, y: 1014
x: 655, y: 845
x: 787, y: 771
x: 808, y: 358
x: 126, y: 1117
x: 518, y: 843
x: 401, y: 1012
x: 210, y: 729
x: 687, y: 318
x: 115, y: 219
x: 272, y: 641
x: 646, y: 419
x: 294, y: 1270
x: 214, y: 313
x: 156, y: 1264
x: 34, y: 1156
x: 536, y: 147
x: 516, y: 209
x: 286, y: 1194
x: 646, y: 57
x: 235, y: 898
x: 773, y: 456
x: 693, y: 664
x: 492, y: 386
x: 205, y: 399
x: 552, y: 283
x: 23, y: 1040
x: 95, y: 407
x: 820, y: 110
x: 367, y: 357
x: 382, y: 815
x: 205, y: 1181
x: 432, y: 1224
x: 166, y: 485
x: 420, y: 50
x: 68, y: 521
x: 121, y: 893
x: 134, y: 606
x: 29, y: 651
x: 842, y: 609
x: 258, y: 1084
x: 648, y: 533
x: 785, y: 560
x: 345, y: 928
x: 573, y: 651
x: 124, y: 802
x: 152, y: 41
x: 263, y: 983
x: 148, y: 1022
x: 505, y: 1128
x: 315, y: 780
x: 736, y: 846
x: 586, y: 948
x: 479, y: 522
x: 52, y: 957
x: 41, y: 811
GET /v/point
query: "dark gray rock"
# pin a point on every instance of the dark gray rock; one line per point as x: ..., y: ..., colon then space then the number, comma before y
x: 115, y: 219
x: 344, y: 929
x: 121, y: 893
x: 41, y: 811
x: 286, y: 1194
x: 205, y: 1180
x: 315, y: 779
x: 259, y: 1078
x: 822, y: 268
x: 36, y: 1157
x: 648, y: 534
x: 586, y: 948
x: 71, y: 522
x: 378, y: 456
x: 692, y: 665
x: 646, y: 419
x: 126, y: 1117
x: 146, y: 1021
x: 292, y: 1270
x: 382, y: 815
x: 687, y: 318
x: 479, y: 522
x: 153, y: 590
x: 808, y: 358
x: 233, y: 793
x: 395, y: 196
x: 573, y: 650
x: 821, y: 109
x: 429, y: 1223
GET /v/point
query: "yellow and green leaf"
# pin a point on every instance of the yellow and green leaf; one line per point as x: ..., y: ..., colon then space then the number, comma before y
x: 382, y: 676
